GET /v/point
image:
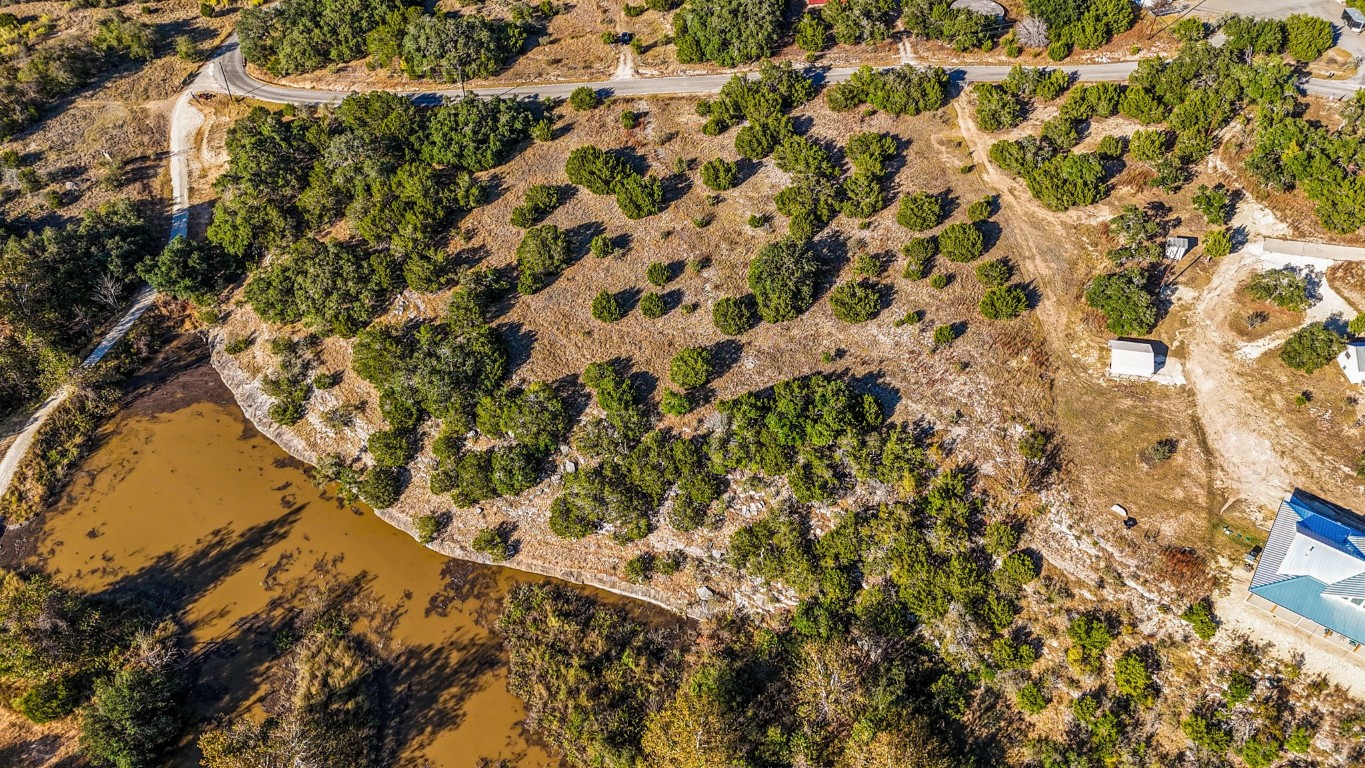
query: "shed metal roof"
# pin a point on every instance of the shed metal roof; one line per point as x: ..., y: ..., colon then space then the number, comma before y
x: 1313, y: 565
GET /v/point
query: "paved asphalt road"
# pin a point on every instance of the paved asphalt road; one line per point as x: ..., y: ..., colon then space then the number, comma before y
x: 228, y: 72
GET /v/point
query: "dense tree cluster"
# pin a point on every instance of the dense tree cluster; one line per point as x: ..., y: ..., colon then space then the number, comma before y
x: 1085, y: 24
x: 905, y: 90
x: 296, y: 36
x: 818, y: 688
x: 57, y: 285
x: 1196, y: 93
x: 395, y: 172
x: 112, y: 659
x: 763, y: 103
x: 450, y: 371
x: 860, y: 21
x: 1293, y: 153
x: 961, y: 28
x: 727, y: 32
x: 591, y: 696
x: 638, y: 468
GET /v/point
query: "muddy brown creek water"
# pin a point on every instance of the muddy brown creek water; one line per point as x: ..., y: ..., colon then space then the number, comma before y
x: 184, y: 497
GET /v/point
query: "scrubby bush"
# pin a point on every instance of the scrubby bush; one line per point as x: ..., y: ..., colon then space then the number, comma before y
x: 539, y: 201
x: 906, y: 90
x: 996, y: 108
x: 1061, y: 133
x: 1032, y: 699
x: 980, y: 210
x: 719, y: 174
x: 1312, y: 347
x: 993, y: 273
x: 595, y: 170
x: 427, y: 528
x: 601, y: 246
x: 1214, y: 202
x: 690, y: 367
x: 961, y: 242
x: 542, y: 254
x: 606, y: 307
x: 943, y: 336
x: 391, y: 447
x: 1149, y: 146
x: 782, y: 278
x: 1308, y: 36
x: 1217, y: 243
x: 733, y: 316
x: 657, y: 274
x: 1125, y: 301
x: 855, y: 302
x: 652, y: 305
x: 812, y: 33
x: 381, y: 487
x: 639, y: 196
x: 494, y: 543
x: 1201, y: 619
x: 584, y: 98
x: 919, y: 252
x: 1189, y: 29
x: 674, y: 403
x: 1285, y: 288
x: 1004, y: 302
x: 920, y: 211
x: 190, y: 270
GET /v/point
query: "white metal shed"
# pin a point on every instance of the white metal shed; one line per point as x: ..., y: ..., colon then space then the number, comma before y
x: 1132, y: 358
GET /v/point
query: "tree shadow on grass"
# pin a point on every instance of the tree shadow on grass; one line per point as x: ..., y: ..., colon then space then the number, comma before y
x: 520, y: 342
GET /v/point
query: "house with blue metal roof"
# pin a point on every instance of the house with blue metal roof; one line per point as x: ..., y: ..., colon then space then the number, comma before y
x: 1313, y: 566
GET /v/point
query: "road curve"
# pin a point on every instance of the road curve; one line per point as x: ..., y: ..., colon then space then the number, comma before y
x: 228, y: 73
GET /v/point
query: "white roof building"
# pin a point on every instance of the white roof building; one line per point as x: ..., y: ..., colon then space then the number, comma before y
x: 1177, y: 247
x: 1132, y: 358
x: 1352, y: 362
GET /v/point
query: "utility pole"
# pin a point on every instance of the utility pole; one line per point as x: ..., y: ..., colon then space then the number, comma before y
x: 226, y: 84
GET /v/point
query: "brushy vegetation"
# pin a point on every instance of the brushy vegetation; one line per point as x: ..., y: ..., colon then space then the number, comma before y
x: 304, y: 35
x: 108, y: 661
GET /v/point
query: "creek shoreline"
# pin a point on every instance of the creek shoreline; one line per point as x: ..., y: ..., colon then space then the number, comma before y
x: 254, y: 404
